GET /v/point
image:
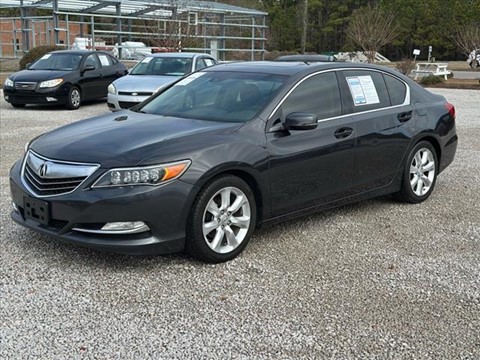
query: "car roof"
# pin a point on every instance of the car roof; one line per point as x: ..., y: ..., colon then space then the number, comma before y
x: 77, y: 52
x: 290, y: 68
x: 178, y: 54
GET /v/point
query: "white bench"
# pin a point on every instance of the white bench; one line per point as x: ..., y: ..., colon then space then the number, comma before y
x: 436, y: 69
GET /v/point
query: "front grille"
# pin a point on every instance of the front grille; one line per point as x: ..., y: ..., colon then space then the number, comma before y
x: 51, y: 186
x: 133, y: 93
x: 25, y: 85
x: 45, y: 177
x: 127, y: 104
x: 57, y: 224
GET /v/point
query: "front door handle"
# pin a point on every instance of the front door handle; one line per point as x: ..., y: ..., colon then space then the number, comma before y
x: 405, y: 116
x: 343, y: 132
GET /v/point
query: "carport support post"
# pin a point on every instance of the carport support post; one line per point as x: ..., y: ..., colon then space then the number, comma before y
x: 118, y: 8
x: 253, y: 39
x: 81, y: 26
x: 24, y: 23
x: 55, y: 22
x: 222, y: 37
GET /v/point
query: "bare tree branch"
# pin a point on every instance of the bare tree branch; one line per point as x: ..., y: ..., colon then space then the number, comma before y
x: 371, y: 28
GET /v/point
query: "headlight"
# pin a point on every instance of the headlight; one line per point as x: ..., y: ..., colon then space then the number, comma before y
x: 50, y: 83
x: 8, y: 82
x: 143, y: 175
x: 112, y: 89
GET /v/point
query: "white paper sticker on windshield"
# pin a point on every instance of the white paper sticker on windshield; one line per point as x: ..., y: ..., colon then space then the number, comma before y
x: 363, y: 90
x: 190, y: 78
x: 46, y: 56
x: 104, y: 60
x: 146, y: 60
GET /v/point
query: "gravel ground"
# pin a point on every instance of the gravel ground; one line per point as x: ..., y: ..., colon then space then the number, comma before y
x: 373, y: 280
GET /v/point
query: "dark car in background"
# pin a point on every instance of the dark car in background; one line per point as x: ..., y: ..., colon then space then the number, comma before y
x: 202, y: 163
x: 153, y: 73
x: 306, y: 58
x: 63, y: 77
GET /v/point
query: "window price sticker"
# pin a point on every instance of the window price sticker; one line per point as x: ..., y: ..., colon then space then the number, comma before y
x: 363, y: 90
x: 190, y: 78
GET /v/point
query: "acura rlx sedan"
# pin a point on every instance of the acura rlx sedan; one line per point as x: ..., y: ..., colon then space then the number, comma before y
x: 63, y: 77
x: 152, y: 74
x: 210, y: 157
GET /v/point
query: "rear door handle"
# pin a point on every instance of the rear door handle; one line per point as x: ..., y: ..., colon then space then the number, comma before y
x: 343, y: 133
x: 405, y: 116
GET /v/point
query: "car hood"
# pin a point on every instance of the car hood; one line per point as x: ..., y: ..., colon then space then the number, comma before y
x: 127, y: 139
x: 142, y: 83
x: 38, y: 75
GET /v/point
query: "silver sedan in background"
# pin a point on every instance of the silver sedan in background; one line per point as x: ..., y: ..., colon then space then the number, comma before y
x: 151, y: 74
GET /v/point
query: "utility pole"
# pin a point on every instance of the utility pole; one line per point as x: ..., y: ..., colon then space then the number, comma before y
x: 304, y: 26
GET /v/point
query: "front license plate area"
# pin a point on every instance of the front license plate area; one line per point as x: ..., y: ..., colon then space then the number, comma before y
x: 36, y: 210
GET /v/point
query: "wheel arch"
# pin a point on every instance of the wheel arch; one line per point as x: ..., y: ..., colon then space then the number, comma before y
x: 245, y: 175
x: 435, y: 143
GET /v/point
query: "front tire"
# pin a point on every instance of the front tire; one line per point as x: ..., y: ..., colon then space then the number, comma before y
x: 420, y: 174
x: 74, y: 98
x: 222, y: 220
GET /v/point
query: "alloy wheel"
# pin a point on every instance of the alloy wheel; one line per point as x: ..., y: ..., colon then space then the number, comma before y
x: 75, y: 98
x: 226, y: 220
x: 422, y: 172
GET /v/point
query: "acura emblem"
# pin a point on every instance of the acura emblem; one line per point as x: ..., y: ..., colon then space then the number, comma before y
x: 24, y: 86
x: 134, y: 94
x: 42, y: 171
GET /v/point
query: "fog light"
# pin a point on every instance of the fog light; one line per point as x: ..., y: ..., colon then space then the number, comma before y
x: 125, y: 226
x: 51, y: 98
x: 6, y: 97
x: 15, y: 207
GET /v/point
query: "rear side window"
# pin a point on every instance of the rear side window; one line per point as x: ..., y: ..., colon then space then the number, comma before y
x: 366, y: 90
x: 318, y: 94
x: 396, y: 89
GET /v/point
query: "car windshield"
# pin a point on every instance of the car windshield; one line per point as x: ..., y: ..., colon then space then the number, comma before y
x: 168, y: 66
x: 57, y: 61
x: 217, y: 96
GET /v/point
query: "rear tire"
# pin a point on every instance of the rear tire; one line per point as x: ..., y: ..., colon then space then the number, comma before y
x: 16, y: 105
x: 419, y: 175
x: 74, y: 98
x: 222, y: 220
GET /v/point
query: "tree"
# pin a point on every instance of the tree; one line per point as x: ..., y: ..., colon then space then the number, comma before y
x: 371, y: 28
x: 467, y: 38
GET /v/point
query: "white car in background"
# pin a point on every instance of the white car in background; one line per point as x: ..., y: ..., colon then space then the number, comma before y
x: 151, y: 74
x: 474, y: 59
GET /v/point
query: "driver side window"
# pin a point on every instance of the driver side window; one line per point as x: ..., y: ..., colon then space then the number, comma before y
x: 319, y: 95
x: 92, y: 60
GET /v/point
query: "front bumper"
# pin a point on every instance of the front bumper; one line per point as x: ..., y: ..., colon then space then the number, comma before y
x: 164, y: 209
x: 56, y: 95
x: 120, y: 102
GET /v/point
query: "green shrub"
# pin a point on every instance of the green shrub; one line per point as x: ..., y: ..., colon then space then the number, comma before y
x: 432, y: 80
x: 36, y: 53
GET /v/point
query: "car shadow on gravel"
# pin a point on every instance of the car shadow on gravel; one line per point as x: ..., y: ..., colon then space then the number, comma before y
x: 49, y: 249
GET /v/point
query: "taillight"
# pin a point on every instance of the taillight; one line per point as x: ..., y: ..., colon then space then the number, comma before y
x: 451, y: 109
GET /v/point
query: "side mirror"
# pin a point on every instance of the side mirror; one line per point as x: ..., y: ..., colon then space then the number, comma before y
x: 28, y: 66
x: 301, y: 121
x: 88, y: 68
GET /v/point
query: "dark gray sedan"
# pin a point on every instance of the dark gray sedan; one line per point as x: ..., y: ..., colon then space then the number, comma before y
x: 202, y: 163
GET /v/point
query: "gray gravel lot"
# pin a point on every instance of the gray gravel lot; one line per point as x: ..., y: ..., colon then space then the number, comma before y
x: 373, y: 280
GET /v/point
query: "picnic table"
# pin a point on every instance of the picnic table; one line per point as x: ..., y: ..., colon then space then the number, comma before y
x: 426, y: 69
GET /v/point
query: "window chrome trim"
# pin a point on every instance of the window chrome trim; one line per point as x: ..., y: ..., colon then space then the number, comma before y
x: 60, y: 170
x: 407, y: 100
